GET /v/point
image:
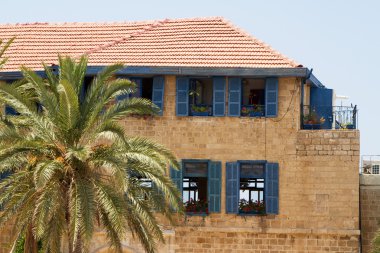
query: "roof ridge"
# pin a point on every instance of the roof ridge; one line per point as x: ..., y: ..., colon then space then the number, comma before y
x: 127, y: 37
x: 265, y: 45
x: 112, y: 23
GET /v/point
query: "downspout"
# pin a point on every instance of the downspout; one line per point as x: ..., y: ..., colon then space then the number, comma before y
x: 303, y: 82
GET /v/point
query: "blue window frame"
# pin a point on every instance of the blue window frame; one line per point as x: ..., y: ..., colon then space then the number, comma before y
x: 252, y: 187
x: 200, y: 96
x: 200, y: 184
x: 151, y: 88
x: 253, y: 97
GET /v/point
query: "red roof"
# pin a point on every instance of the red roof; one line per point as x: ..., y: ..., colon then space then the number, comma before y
x: 194, y: 42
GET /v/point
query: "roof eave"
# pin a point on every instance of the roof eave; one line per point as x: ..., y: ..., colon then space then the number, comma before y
x: 195, y: 71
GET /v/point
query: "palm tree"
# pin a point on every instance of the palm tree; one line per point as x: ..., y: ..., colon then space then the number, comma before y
x: 73, y: 167
x: 376, y: 243
x: 3, y: 49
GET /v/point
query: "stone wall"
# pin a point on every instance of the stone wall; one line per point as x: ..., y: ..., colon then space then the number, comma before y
x: 318, y: 179
x: 370, y: 209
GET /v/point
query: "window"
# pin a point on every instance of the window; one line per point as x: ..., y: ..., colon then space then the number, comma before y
x: 141, y: 184
x: 252, y: 187
x: 200, y: 96
x: 252, y: 97
x: 375, y: 169
x: 151, y: 88
x: 86, y: 85
x: 200, y: 183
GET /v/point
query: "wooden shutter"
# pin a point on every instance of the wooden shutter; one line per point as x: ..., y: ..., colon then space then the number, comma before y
x: 214, y: 186
x: 232, y: 187
x: 219, y: 96
x: 321, y: 100
x: 176, y: 176
x: 158, y: 92
x: 271, y: 97
x: 234, y: 96
x: 271, y: 188
x: 182, y: 96
x: 10, y: 111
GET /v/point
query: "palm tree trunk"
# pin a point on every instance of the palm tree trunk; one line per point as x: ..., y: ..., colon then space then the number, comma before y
x: 30, y: 244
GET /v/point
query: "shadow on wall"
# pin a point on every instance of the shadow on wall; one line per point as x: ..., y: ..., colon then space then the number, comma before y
x: 106, y: 249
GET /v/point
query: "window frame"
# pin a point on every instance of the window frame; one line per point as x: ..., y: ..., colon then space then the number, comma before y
x: 271, y: 187
x: 251, y: 162
x: 218, y: 99
x: 377, y: 168
x: 214, y: 182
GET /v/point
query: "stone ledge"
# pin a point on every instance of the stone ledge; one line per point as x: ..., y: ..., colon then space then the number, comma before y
x: 273, y: 230
x: 369, y: 180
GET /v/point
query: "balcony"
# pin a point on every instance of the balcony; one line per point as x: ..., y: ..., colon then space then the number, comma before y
x: 329, y: 117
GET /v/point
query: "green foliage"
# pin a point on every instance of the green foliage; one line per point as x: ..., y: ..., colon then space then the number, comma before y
x: 376, y: 243
x: 73, y: 167
x: 20, y: 246
x: 3, y: 47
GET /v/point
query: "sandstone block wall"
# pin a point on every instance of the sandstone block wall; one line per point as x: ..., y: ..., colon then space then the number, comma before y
x: 318, y: 179
x: 370, y: 209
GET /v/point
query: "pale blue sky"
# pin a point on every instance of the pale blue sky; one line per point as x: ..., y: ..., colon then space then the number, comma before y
x: 339, y: 39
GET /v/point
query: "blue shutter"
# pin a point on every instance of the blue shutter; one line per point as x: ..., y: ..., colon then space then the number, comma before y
x: 271, y: 188
x: 232, y: 187
x: 137, y: 93
x: 4, y: 175
x: 271, y: 97
x: 158, y: 92
x: 219, y: 96
x: 214, y: 186
x: 176, y: 176
x: 10, y: 111
x: 234, y: 96
x: 182, y: 96
x: 321, y: 100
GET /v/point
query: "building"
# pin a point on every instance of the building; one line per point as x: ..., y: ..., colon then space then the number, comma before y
x: 246, y: 122
x: 370, y: 164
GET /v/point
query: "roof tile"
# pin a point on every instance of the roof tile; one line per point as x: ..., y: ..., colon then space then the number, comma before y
x: 195, y: 42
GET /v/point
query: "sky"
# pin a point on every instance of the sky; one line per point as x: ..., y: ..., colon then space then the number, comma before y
x: 339, y: 39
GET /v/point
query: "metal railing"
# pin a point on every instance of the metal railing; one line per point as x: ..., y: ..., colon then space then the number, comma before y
x: 329, y: 117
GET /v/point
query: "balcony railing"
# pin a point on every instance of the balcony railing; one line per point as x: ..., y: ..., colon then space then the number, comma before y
x: 329, y: 117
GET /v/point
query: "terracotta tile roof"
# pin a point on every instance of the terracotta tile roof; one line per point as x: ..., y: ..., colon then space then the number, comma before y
x: 195, y: 42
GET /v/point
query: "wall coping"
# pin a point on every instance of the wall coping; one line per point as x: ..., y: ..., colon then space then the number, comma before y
x: 369, y: 180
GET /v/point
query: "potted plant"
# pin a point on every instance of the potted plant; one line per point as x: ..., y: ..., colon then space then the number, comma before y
x: 196, y: 206
x: 200, y: 110
x: 312, y: 121
x: 257, y: 111
x: 251, y: 207
x: 245, y: 111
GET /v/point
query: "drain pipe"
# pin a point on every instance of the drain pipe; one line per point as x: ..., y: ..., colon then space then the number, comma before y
x: 303, y: 82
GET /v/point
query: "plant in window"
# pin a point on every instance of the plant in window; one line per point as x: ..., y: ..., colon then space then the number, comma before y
x: 245, y: 111
x: 196, y: 206
x: 252, y: 207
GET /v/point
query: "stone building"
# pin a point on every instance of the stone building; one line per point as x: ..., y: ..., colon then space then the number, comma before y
x: 260, y: 141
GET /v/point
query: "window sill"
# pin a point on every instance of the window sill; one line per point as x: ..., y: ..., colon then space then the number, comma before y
x: 252, y: 214
x: 196, y: 214
x: 200, y: 114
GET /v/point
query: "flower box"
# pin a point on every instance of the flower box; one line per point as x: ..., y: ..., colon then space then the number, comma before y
x: 249, y: 207
x: 256, y: 114
x: 199, y: 113
x: 311, y: 126
x: 196, y: 207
